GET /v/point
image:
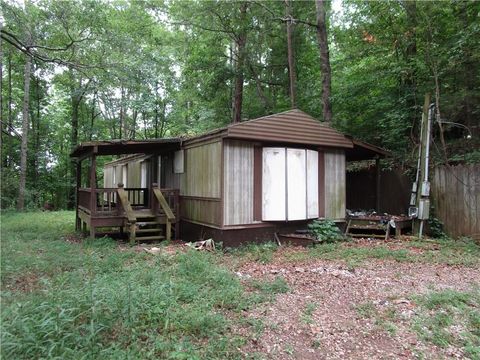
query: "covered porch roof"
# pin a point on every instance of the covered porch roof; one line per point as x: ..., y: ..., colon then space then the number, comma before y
x: 364, y: 151
x: 122, y: 147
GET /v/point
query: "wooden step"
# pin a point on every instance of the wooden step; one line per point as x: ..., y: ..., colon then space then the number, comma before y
x: 380, y: 236
x: 147, y: 230
x: 148, y: 223
x: 143, y: 214
x: 149, y: 238
x: 369, y: 227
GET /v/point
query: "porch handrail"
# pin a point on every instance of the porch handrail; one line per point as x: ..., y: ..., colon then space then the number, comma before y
x: 163, y: 203
x: 125, y: 205
x: 158, y: 196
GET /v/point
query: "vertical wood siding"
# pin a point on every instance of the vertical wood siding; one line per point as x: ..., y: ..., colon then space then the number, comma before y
x: 170, y: 179
x: 238, y: 182
x: 108, y: 177
x: 202, y: 171
x: 456, y: 199
x: 133, y: 174
x: 205, y: 211
x: 334, y: 184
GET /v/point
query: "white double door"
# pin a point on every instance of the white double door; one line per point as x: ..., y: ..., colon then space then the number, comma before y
x: 289, y: 184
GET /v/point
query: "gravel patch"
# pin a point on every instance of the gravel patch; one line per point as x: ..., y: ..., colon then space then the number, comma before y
x: 335, y: 312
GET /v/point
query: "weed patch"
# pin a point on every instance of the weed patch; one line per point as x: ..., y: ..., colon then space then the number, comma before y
x: 261, y: 253
x: 95, y: 300
x: 267, y: 287
x: 450, y: 318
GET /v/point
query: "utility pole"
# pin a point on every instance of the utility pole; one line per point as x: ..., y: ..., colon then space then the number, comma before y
x: 419, y: 201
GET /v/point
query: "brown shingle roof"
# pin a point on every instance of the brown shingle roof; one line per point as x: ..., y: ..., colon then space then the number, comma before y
x: 292, y: 126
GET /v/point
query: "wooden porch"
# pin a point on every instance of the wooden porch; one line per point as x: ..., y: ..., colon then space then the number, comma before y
x: 144, y: 214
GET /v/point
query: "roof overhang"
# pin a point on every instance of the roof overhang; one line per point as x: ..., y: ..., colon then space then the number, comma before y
x: 122, y: 147
x: 364, y: 151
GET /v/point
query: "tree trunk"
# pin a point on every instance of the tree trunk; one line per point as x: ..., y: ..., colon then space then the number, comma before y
x: 10, y: 121
x: 24, y: 144
x: 291, y: 56
x: 324, y: 60
x: 134, y: 124
x: 241, y: 41
x: 260, y: 92
x: 162, y: 118
x: 2, y: 124
x: 76, y: 98
x: 144, y: 118
x: 156, y: 120
x: 410, y: 82
x: 37, y: 135
x: 92, y: 116
x: 121, y: 113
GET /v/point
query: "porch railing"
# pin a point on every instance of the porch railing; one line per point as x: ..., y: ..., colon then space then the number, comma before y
x: 84, y: 198
x: 107, y: 199
x: 138, y: 196
x: 163, y: 207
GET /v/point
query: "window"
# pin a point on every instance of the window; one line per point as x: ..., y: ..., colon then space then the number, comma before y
x: 114, y: 176
x: 124, y: 175
x: 289, y: 184
x: 178, y: 161
x: 143, y: 174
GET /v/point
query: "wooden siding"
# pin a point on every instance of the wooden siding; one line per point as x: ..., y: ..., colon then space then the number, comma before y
x: 200, y: 210
x: 334, y: 184
x: 133, y: 175
x: 108, y: 177
x: 169, y: 179
x: 202, y: 174
x: 238, y: 182
x: 456, y: 198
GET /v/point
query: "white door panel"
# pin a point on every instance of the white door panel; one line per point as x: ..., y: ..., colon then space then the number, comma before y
x: 143, y: 174
x: 296, y: 184
x: 273, y: 184
x: 312, y: 184
x: 124, y: 175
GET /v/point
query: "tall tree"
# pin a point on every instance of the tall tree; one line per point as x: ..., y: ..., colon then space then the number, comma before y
x: 324, y: 59
x: 291, y: 56
x: 241, y: 42
x: 25, y: 125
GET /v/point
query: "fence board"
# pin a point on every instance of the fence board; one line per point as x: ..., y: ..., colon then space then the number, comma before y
x: 455, y: 194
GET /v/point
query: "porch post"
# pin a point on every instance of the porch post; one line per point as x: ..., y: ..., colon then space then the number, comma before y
x: 93, y: 194
x: 377, y: 184
x: 78, y: 222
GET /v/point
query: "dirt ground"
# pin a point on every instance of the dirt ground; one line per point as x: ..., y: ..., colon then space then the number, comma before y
x: 333, y: 312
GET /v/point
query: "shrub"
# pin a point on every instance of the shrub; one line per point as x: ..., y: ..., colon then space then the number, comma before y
x: 325, y: 231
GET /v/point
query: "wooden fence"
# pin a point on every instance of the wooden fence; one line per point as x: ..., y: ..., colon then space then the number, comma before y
x: 394, y: 192
x: 456, y: 199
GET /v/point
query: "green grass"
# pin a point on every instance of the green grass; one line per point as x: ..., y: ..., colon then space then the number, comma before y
x: 307, y: 314
x: 97, y: 300
x: 366, y: 310
x: 463, y: 252
x: 450, y: 318
x: 261, y: 253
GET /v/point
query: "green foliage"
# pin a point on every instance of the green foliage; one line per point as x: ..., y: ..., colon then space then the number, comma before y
x: 67, y: 299
x: 435, y: 227
x: 325, y: 231
x: 443, y: 311
x: 472, y: 157
x: 308, y: 313
x: 277, y: 286
x: 157, y: 69
x: 443, y: 251
x: 262, y: 253
x: 366, y: 310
